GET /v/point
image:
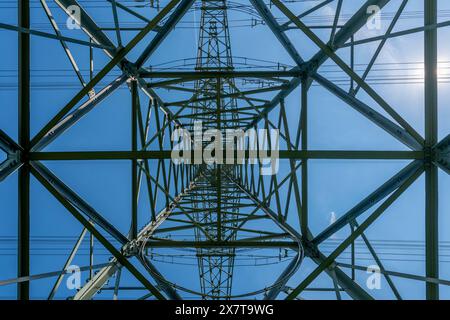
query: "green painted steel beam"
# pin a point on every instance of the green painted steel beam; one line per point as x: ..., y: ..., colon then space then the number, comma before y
x: 89, y: 226
x: 23, y: 232
x: 222, y: 244
x: 193, y: 75
x: 431, y: 138
x: 283, y: 154
x: 330, y: 260
x: 118, y: 57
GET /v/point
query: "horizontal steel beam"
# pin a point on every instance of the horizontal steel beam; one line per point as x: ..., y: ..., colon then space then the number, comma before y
x: 283, y: 154
x: 396, y: 34
x: 238, y: 95
x: 222, y: 244
x: 194, y: 75
x: 52, y: 36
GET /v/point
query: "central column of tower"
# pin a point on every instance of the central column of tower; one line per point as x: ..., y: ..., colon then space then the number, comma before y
x: 216, y: 199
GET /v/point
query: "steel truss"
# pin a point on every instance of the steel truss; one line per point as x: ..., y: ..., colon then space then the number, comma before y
x: 219, y: 202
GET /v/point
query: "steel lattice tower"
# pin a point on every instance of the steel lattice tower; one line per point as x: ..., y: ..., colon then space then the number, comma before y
x: 214, y: 217
x: 214, y: 54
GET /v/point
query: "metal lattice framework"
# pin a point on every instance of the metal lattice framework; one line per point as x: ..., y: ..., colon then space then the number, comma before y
x: 226, y: 209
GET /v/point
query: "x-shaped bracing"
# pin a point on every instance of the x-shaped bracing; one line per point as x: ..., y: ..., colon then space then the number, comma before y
x: 436, y: 155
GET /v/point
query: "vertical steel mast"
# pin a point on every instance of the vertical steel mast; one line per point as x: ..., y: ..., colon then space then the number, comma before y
x: 218, y: 198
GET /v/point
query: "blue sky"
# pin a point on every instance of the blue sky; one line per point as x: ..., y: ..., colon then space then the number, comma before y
x: 334, y: 186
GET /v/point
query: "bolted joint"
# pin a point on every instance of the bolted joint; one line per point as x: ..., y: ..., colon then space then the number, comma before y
x: 310, y: 248
x: 132, y: 248
x: 18, y: 156
x: 442, y: 154
x: 13, y: 162
x: 309, y: 69
x: 129, y: 69
x: 9, y: 146
x: 428, y: 156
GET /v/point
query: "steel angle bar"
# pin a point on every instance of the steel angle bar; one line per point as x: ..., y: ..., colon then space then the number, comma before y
x: 356, y: 22
x: 7, y: 144
x: 50, y: 36
x: 14, y: 154
x: 92, y: 287
x: 118, y: 58
x: 69, y: 55
x: 329, y: 261
x: 388, y: 187
x: 392, y: 128
x: 326, y: 49
x: 442, y: 154
x: 193, y: 75
x: 285, y: 25
x: 46, y: 275
x: 73, y: 117
x: 69, y: 195
x: 223, y: 244
x: 116, y: 23
x: 95, y: 284
x: 431, y: 139
x: 397, y: 34
x: 8, y: 167
x: 398, y: 274
x: 88, y: 225
x: 133, y: 13
x: 271, y: 22
x: 164, y: 31
x: 67, y: 264
x: 88, y: 25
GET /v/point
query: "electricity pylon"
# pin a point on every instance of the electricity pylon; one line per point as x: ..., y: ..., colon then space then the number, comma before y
x: 218, y: 213
x: 219, y: 200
